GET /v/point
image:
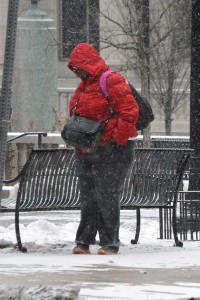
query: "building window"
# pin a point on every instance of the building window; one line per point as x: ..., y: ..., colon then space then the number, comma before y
x: 80, y: 23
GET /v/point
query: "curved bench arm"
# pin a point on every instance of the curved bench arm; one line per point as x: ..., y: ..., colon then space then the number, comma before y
x: 39, y: 134
x: 13, y: 179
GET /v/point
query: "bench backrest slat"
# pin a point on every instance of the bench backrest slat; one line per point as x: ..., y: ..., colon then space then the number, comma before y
x: 49, y: 180
x: 166, y: 142
x: 155, y: 175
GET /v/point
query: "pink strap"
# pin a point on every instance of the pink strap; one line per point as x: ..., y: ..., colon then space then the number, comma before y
x: 102, y: 81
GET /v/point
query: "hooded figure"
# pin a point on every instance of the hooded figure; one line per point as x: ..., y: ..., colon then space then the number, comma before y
x: 101, y: 173
x: 94, y: 105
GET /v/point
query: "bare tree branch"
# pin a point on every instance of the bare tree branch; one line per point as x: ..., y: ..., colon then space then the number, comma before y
x: 166, y: 60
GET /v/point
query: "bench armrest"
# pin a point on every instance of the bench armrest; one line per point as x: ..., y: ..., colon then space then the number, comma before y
x: 13, y: 179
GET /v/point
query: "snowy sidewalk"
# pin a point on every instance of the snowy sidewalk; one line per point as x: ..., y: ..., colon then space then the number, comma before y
x: 153, y: 269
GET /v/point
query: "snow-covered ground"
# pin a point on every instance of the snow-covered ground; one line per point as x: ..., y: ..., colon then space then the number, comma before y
x: 153, y: 269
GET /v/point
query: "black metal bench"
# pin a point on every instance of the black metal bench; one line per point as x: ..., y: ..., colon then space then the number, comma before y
x: 48, y: 182
x: 171, y: 142
x: 166, y: 142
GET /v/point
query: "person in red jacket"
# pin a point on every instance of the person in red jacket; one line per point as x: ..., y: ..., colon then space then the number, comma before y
x: 102, y: 172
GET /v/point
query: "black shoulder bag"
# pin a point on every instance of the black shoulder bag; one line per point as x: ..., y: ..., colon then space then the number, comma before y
x: 83, y: 133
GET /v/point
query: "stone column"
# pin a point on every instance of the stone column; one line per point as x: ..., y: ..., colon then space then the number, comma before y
x: 35, y: 97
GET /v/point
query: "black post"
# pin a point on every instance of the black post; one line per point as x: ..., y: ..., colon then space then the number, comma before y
x: 194, y: 183
x: 5, y: 97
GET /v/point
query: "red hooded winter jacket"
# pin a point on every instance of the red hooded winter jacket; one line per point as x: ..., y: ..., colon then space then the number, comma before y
x: 94, y: 105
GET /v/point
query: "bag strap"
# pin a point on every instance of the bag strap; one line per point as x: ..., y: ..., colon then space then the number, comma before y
x: 103, y: 84
x: 75, y: 106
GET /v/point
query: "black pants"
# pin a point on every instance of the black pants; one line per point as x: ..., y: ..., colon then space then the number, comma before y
x: 101, y: 176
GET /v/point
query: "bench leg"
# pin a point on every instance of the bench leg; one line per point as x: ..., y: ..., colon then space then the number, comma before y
x: 17, y: 231
x: 137, y: 232
x: 174, y: 226
x: 161, y: 222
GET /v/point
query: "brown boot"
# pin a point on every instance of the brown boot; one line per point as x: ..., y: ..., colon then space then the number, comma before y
x: 108, y: 251
x: 81, y: 249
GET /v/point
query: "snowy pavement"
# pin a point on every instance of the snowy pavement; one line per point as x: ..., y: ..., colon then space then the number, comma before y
x: 153, y: 269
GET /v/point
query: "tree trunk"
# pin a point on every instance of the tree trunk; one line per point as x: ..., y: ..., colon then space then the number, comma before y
x: 143, y: 53
x: 146, y: 93
x: 168, y: 123
x: 168, y: 106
